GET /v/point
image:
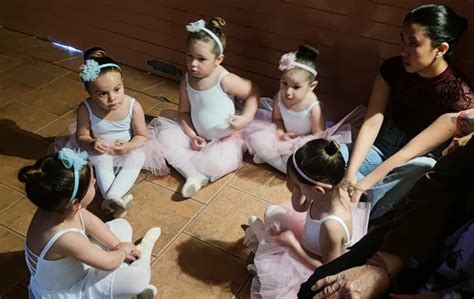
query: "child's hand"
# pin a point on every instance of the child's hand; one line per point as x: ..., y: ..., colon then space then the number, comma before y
x: 132, y: 251
x: 238, y: 122
x: 100, y: 146
x: 287, y: 136
x: 121, y: 147
x: 198, y: 143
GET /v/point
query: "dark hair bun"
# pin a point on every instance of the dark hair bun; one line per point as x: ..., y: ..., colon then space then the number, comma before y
x: 332, y: 148
x: 95, y: 52
x: 462, y: 25
x: 30, y: 174
x: 307, y: 52
x: 217, y: 23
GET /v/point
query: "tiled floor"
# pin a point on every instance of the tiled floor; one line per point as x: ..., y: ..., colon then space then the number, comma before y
x: 200, y: 253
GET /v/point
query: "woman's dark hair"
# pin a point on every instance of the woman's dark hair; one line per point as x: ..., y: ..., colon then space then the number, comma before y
x: 440, y: 23
x: 307, y: 54
x: 101, y: 57
x: 320, y: 160
x: 49, y: 184
x: 216, y: 25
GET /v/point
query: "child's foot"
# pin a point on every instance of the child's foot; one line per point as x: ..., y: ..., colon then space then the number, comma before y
x: 252, y: 269
x: 148, y: 293
x: 273, y: 217
x: 254, y: 221
x: 117, y: 205
x: 257, y: 160
x: 193, y: 185
x: 149, y: 239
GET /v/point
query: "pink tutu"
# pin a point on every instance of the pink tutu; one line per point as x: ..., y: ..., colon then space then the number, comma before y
x: 279, y: 272
x: 262, y: 139
x: 218, y: 158
x: 154, y: 161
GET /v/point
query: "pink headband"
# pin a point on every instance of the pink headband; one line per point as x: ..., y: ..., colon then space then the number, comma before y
x: 300, y: 171
x: 288, y: 61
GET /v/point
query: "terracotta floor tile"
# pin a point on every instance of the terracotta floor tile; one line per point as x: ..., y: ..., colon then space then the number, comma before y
x: 48, y: 52
x: 7, y: 62
x: 162, y: 106
x: 138, y: 80
x: 57, y: 98
x: 145, y: 100
x: 168, y: 89
x: 191, y: 268
x: 9, y: 170
x: 26, y: 118
x: 220, y: 222
x: 10, y: 39
x: 262, y: 181
x: 18, y: 216
x: 34, y: 72
x: 245, y: 292
x: 73, y: 64
x: 155, y: 206
x: 8, y: 196
x: 17, y: 292
x: 10, y: 89
x: 60, y: 126
x: 12, y: 259
x: 175, y: 182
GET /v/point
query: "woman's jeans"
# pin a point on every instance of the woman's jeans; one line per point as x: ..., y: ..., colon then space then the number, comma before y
x: 388, y: 193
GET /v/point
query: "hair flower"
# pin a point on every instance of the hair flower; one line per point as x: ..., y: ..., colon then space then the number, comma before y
x: 200, y: 25
x: 286, y: 61
x: 75, y: 160
x: 90, y: 70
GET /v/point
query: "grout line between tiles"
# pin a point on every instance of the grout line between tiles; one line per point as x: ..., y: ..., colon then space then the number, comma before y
x: 13, y: 231
x: 239, y: 292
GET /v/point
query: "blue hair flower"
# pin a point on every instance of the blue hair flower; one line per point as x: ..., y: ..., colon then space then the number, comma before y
x: 90, y: 70
x: 75, y: 160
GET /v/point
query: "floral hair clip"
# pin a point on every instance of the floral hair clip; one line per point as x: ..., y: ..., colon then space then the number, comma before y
x: 75, y: 160
x: 288, y: 61
x: 90, y: 70
x: 200, y: 25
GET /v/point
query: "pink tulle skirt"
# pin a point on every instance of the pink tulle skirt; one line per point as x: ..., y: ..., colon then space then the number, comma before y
x: 218, y: 158
x: 262, y: 139
x: 154, y: 160
x: 279, y: 272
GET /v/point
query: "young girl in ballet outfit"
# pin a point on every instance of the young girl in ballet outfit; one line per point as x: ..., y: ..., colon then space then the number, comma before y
x: 297, y: 116
x: 111, y: 128
x: 69, y: 251
x: 290, y: 244
x: 206, y: 143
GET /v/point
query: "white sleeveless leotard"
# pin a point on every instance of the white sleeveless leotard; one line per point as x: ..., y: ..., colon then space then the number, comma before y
x: 111, y: 130
x: 211, y: 110
x: 66, y: 277
x: 296, y: 122
x: 312, y: 227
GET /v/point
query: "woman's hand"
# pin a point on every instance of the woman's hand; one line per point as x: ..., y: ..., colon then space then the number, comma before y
x: 198, y: 143
x: 360, y: 282
x: 99, y: 146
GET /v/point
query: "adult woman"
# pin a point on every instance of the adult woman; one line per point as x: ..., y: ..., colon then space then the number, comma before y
x: 416, y: 87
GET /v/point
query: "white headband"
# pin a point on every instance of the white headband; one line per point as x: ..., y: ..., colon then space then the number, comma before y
x: 288, y: 61
x: 201, y: 25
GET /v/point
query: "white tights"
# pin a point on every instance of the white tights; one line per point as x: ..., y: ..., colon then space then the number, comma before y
x: 117, y: 184
x: 129, y: 280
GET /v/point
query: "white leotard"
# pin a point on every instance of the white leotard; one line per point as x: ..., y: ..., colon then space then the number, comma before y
x: 296, y: 122
x: 211, y: 110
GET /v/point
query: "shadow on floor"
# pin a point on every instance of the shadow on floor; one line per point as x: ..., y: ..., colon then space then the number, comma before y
x: 14, y: 141
x: 204, y: 263
x: 13, y: 270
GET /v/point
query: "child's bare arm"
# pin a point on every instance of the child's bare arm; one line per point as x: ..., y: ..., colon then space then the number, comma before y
x: 184, y: 110
x: 318, y: 122
x: 84, y: 133
x: 244, y: 90
x: 287, y: 238
x: 276, y: 116
x: 97, y: 229
x: 140, y: 133
x: 331, y: 237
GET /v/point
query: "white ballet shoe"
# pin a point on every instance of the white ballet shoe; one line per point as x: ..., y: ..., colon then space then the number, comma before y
x: 255, y: 222
x: 193, y: 185
x: 150, y: 238
x: 118, y: 205
x: 257, y: 160
x: 148, y: 293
